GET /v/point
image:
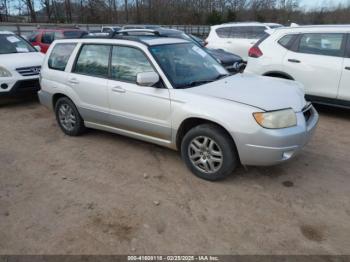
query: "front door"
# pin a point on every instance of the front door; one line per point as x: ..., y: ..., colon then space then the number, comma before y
x: 344, y: 87
x: 134, y: 108
x: 317, y: 63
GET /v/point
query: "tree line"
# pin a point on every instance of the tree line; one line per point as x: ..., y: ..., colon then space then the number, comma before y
x: 170, y: 11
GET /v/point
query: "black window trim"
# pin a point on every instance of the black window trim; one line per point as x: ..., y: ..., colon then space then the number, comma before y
x: 296, y: 44
x: 51, y: 68
x: 348, y: 46
x: 109, y: 77
x: 291, y: 42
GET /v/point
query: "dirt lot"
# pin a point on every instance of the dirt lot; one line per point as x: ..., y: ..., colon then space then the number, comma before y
x: 106, y: 194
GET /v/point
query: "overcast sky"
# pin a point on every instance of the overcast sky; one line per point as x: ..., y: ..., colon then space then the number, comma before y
x: 322, y: 3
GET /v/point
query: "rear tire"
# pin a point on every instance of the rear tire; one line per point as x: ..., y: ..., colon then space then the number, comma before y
x: 209, y: 152
x: 68, y: 117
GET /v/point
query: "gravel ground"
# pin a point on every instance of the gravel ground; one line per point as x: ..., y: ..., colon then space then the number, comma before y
x: 106, y: 194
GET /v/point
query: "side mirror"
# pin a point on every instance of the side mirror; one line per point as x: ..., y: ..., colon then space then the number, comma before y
x: 38, y: 48
x: 147, y: 78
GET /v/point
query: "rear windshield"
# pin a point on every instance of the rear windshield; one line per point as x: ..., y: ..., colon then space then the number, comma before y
x: 242, y: 32
x: 10, y: 44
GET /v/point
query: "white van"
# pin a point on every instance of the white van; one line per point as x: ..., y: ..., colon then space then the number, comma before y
x: 237, y: 38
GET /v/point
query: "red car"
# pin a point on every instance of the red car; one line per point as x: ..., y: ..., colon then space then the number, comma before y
x: 44, y: 37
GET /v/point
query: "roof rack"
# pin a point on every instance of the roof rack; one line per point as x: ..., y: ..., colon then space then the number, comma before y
x: 113, y: 36
x: 125, y: 35
x: 128, y: 31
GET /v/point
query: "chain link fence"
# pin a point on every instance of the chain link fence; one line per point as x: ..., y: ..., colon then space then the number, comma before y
x: 25, y: 29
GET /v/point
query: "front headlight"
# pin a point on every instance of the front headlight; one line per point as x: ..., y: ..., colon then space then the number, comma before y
x: 4, y: 72
x: 276, y: 119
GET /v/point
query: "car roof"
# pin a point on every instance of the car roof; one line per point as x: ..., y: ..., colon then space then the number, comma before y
x: 240, y: 24
x: 314, y: 28
x: 144, y: 40
x: 6, y: 33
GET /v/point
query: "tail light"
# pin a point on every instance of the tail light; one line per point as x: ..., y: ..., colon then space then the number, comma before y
x: 255, y: 52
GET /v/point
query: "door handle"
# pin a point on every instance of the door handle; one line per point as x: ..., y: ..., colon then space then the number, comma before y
x: 347, y: 68
x: 229, y: 42
x: 118, y: 89
x: 73, y: 81
x: 294, y: 61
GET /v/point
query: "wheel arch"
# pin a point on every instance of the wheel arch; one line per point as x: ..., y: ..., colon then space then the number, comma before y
x: 57, y: 96
x: 191, y: 122
x: 279, y: 74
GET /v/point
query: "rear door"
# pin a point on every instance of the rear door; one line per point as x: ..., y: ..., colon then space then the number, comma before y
x: 88, y: 79
x: 344, y: 87
x: 316, y: 61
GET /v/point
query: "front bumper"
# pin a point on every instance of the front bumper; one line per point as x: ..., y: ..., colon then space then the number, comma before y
x: 20, y: 87
x: 274, y: 146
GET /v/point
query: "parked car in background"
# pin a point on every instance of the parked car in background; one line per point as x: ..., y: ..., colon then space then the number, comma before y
x: 110, y: 29
x: 185, y: 101
x: 232, y: 62
x: 44, y: 37
x: 20, y: 65
x: 237, y: 38
x: 316, y: 56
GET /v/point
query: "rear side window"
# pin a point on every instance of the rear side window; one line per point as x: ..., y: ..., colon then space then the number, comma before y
x: 47, y: 37
x: 93, y: 60
x: 287, y: 41
x: 327, y: 44
x: 127, y: 62
x: 60, y: 55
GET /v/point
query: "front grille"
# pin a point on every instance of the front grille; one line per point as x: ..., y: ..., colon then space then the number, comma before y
x: 29, y: 71
x: 307, y: 112
x: 28, y: 84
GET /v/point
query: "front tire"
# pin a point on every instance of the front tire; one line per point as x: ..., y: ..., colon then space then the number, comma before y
x: 209, y: 152
x: 68, y: 117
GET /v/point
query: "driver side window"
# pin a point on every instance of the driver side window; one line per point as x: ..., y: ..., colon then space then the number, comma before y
x: 127, y: 62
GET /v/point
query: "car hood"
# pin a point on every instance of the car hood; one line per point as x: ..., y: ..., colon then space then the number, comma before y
x: 18, y: 60
x: 224, y: 57
x: 265, y: 93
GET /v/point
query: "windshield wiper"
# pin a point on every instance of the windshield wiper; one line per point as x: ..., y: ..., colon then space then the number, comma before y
x: 222, y: 76
x: 201, y: 82
x: 194, y: 83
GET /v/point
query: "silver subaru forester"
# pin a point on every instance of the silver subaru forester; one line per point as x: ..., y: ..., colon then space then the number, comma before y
x: 172, y: 93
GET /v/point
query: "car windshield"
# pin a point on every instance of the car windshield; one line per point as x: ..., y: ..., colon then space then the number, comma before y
x: 10, y: 44
x: 187, y: 65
